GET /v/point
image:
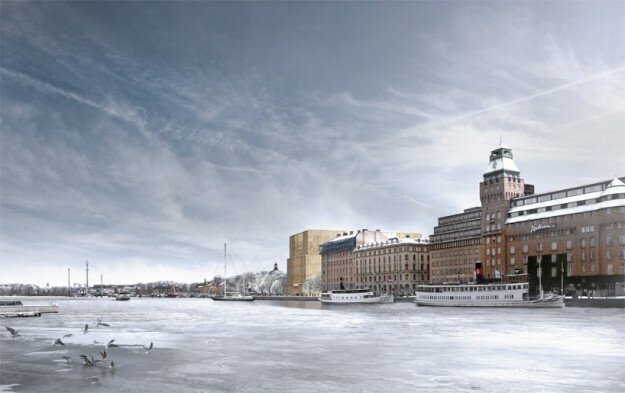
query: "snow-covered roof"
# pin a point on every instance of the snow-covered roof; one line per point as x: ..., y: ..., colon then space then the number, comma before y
x: 342, y: 237
x: 562, y: 212
x: 557, y: 202
x: 500, y: 163
x: 616, y: 186
x: 393, y: 241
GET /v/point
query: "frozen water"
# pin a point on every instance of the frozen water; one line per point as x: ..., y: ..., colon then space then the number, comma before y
x: 265, y: 346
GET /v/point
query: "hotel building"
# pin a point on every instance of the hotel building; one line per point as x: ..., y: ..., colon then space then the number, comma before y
x: 574, y: 236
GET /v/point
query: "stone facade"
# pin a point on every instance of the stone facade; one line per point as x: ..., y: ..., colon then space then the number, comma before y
x: 395, y: 266
x: 336, y: 257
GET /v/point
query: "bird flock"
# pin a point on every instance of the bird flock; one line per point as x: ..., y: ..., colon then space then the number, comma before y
x: 91, y: 361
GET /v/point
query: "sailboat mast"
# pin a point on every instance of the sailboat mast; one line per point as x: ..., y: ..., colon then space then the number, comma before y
x: 225, y: 275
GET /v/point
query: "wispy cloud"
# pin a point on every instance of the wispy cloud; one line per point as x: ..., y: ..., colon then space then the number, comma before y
x: 148, y: 146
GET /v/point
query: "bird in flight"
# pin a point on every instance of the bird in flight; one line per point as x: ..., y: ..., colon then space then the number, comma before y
x: 59, y: 342
x: 13, y: 332
x: 149, y: 348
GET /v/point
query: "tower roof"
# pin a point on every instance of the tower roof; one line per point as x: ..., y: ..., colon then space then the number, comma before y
x: 501, y: 159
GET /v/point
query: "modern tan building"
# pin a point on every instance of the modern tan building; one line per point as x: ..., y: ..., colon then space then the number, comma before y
x: 395, y: 266
x: 304, y: 261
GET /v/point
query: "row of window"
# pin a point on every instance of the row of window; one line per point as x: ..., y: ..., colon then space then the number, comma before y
x: 569, y: 245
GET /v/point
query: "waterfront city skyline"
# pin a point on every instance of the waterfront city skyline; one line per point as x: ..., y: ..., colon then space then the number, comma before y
x: 144, y: 136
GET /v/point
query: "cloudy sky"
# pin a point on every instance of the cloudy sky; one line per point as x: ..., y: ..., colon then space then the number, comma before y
x: 144, y: 135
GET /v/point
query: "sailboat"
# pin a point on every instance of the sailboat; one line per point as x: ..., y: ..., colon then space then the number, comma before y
x: 232, y: 296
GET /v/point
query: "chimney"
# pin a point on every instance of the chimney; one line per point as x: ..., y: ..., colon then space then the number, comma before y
x: 479, y: 273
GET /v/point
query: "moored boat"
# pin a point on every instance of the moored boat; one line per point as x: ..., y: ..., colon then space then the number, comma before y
x: 234, y: 296
x: 484, y: 295
x: 354, y: 296
x: 231, y: 296
x: 122, y: 296
x: 15, y: 308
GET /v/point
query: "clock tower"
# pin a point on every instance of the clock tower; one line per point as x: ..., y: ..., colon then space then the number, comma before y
x: 502, y: 182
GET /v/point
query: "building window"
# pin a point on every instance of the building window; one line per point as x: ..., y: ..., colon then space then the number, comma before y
x: 569, y: 270
x: 512, y: 250
x: 525, y: 248
x: 512, y: 261
x: 554, y: 272
x: 583, y: 256
x: 583, y: 243
x: 554, y: 246
x: 608, y: 253
x: 569, y: 244
x: 592, y: 242
x: 539, y: 247
x: 608, y: 240
x: 569, y: 256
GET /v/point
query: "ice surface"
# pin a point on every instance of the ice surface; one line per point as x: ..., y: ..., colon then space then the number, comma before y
x: 262, y: 346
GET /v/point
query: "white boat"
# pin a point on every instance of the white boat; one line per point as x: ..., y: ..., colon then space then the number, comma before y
x: 122, y: 296
x: 354, y: 296
x: 15, y: 308
x: 232, y: 296
x: 484, y: 295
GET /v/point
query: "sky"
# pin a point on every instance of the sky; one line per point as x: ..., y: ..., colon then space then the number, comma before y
x: 142, y: 136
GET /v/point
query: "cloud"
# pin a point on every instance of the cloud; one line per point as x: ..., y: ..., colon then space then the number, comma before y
x: 148, y: 151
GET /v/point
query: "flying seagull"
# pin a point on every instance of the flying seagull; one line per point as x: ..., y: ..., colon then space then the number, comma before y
x: 13, y: 332
x: 103, y: 324
x: 67, y: 335
x: 110, y: 344
x: 103, y: 354
x: 89, y: 360
x: 58, y: 341
x: 149, y: 348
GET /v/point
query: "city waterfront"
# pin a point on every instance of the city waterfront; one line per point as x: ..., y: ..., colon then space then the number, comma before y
x: 206, y: 346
